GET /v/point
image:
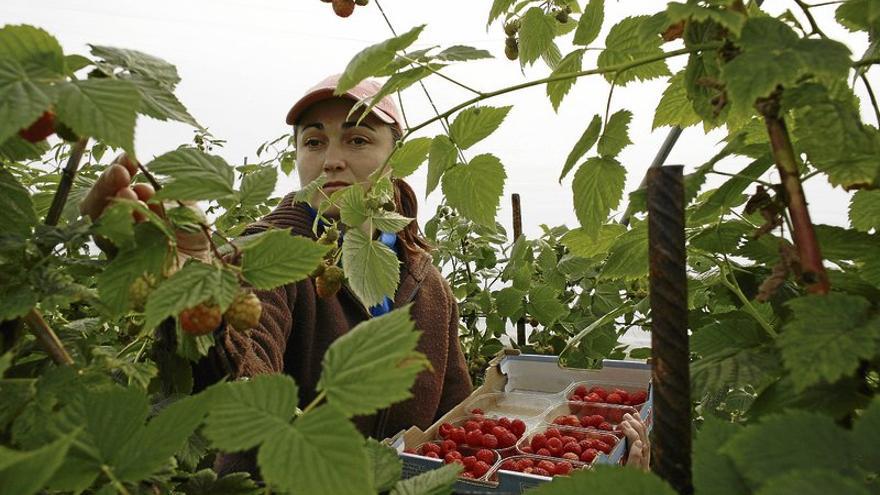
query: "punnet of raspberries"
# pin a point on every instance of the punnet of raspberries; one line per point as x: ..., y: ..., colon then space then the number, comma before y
x: 536, y: 465
x: 244, y: 312
x: 569, y: 444
x: 617, y: 396
x: 481, y: 432
x: 475, y: 462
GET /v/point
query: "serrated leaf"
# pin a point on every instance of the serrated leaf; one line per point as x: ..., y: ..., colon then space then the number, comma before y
x: 730, y: 193
x: 461, y: 53
x: 557, y: 90
x: 627, y: 42
x: 205, y: 482
x: 839, y: 244
x: 194, y: 175
x: 590, y: 23
x: 321, y: 453
x: 308, y: 191
x: 812, y: 481
x: 715, y: 472
x: 615, y: 137
x: 721, y: 238
x: 732, y: 20
x: 552, y: 56
x: 581, y: 243
x: 509, y: 301
x: 373, y: 365
x: 606, y: 479
x: 474, y: 124
x: 866, y: 433
x: 675, y: 109
x: 19, y: 215
x: 440, y: 157
x: 475, y: 189
x: 194, y: 283
x: 597, y: 188
x: 372, y: 269
x: 147, y: 255
x: 160, y: 103
x: 246, y: 414
x: 258, y: 185
x: 628, y: 257
x: 22, y: 100
x: 35, y: 49
x: 390, y: 221
x: 410, y: 156
x: 374, y: 58
x: 779, y: 444
x: 386, y: 466
x: 498, y: 7
x: 397, y: 82
x: 544, y: 305
x: 140, y: 63
x: 864, y: 211
x: 536, y: 34
x: 105, y: 109
x: 827, y: 337
x: 279, y: 258
x: 433, y: 482
x: 583, y: 145
x: 26, y: 473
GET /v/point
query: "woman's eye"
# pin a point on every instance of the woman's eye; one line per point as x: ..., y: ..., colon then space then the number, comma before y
x: 312, y: 142
x: 358, y: 141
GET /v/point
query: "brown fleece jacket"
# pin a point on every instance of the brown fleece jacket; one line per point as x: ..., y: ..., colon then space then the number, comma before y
x: 297, y: 327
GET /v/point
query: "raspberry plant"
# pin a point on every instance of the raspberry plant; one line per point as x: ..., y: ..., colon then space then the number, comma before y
x: 784, y: 314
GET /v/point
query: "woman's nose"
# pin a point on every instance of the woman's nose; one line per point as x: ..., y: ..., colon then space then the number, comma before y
x: 333, y: 159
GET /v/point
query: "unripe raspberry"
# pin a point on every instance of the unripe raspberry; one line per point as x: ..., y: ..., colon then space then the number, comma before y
x: 512, y: 27
x: 511, y: 48
x: 200, y: 319
x: 329, y: 282
x: 329, y: 237
x: 244, y: 312
x: 140, y: 290
x: 343, y: 8
x: 562, y: 16
x: 362, y: 3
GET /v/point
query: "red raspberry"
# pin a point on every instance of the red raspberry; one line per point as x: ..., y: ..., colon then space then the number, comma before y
x: 40, y: 129
x: 448, y: 446
x: 538, y: 441
x: 567, y: 438
x: 572, y: 447
x: 431, y: 447
x: 477, y: 411
x: 541, y: 472
x: 486, y: 456
x: 544, y: 452
x: 581, y: 390
x: 508, y: 465
x: 596, y: 420
x: 548, y: 466
x: 487, y: 425
x: 599, y: 391
x: 527, y: 449
x: 432, y: 455
x: 466, y: 474
x: 489, y: 441
x: 605, y: 426
x: 409, y: 451
x: 593, y: 397
x: 445, y: 429
x: 552, y: 433
x: 602, y: 446
x: 474, y: 438
x: 576, y: 398
x: 624, y: 395
x: 559, y: 420
x: 244, y: 312
x: 201, y: 319
x: 563, y: 467
x: 525, y: 463
x: 480, y: 468
x: 507, y: 440
x: 458, y: 435
x: 614, y: 398
x: 638, y: 397
x: 505, y: 422
x: 554, y: 443
x: 469, y: 461
x: 471, y: 425
x: 451, y: 457
x: 588, y: 455
x: 570, y: 456
x: 518, y: 427
x: 499, y: 431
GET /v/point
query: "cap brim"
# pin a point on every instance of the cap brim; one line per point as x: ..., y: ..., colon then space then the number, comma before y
x: 324, y: 94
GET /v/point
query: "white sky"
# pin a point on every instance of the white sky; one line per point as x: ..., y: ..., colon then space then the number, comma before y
x: 243, y: 63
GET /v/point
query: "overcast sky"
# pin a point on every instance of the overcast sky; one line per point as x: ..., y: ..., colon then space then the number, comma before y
x: 244, y: 62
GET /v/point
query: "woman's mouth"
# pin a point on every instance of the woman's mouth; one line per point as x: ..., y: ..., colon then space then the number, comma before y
x: 335, y: 185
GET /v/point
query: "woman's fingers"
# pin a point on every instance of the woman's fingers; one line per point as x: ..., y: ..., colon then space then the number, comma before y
x: 115, y: 178
x: 128, y: 163
x: 128, y: 193
x: 145, y: 193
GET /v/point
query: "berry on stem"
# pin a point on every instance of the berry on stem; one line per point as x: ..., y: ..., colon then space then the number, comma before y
x: 200, y: 319
x: 244, y: 312
x: 40, y: 129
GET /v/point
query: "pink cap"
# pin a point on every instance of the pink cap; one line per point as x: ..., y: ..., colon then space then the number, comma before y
x: 386, y: 109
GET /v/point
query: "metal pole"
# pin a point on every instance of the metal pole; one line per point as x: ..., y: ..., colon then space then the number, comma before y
x: 669, y: 340
x: 517, y: 231
x: 659, y: 159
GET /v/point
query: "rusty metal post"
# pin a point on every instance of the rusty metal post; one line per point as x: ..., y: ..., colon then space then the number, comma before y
x: 671, y: 454
x: 517, y: 231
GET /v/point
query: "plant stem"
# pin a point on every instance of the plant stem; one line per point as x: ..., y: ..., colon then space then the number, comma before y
x: 747, y: 305
x: 804, y: 235
x: 47, y: 338
x: 727, y: 174
x: 113, y: 480
x: 444, y: 76
x: 315, y: 402
x: 806, y: 10
x: 67, y: 177
x: 872, y: 97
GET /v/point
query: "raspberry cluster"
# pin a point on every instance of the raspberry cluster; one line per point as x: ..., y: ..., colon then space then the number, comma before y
x: 588, y: 421
x: 475, y: 465
x: 572, y: 445
x: 482, y: 432
x: 616, y: 396
x: 543, y: 467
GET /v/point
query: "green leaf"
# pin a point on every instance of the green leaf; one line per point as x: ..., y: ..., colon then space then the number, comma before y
x: 580, y: 243
x: 321, y: 453
x: 557, y: 90
x: 590, y: 23
x: 22, y: 100
x: 16, y: 300
x: 840, y: 244
x: 715, y: 472
x: 441, y: 157
x: 35, y: 49
x: 628, y: 258
x: 147, y: 255
x: 606, y: 479
x: 475, y: 189
x: 159, y: 102
x: 721, y: 238
x: 194, y: 283
x: 730, y: 193
x: 864, y: 211
x: 544, y: 305
x: 372, y: 269
x: 396, y: 83
x: 615, y: 137
x: 434, y: 482
x: 374, y: 58
x: 26, y: 473
x: 675, y: 109
x: 278, y: 258
x: 19, y: 215
x: 583, y: 145
x: 462, y: 53
x: 627, y: 42
x: 474, y: 124
x: 372, y: 366
x: 837, y: 400
x: 866, y: 433
x: 410, y: 156
x: 385, y: 463
x: 308, y: 191
x: 205, y: 482
x: 786, y: 442
x: 536, y: 34
x: 257, y: 186
x: 139, y: 63
x: 194, y: 175
x: 730, y: 19
x: 247, y: 414
x: 105, y: 109
x: 812, y: 481
x: 390, y: 221
x: 498, y: 7
x: 859, y: 15
x: 597, y: 188
x: 827, y: 337
x: 509, y: 301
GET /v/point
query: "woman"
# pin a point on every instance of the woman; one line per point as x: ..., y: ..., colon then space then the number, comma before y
x: 297, y: 326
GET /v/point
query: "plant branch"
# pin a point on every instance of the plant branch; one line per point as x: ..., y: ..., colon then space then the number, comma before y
x: 66, y: 184
x: 747, y: 305
x: 317, y: 400
x: 443, y: 76
x: 806, y: 10
x: 48, y: 338
x: 872, y: 97
x: 120, y: 488
x: 728, y: 174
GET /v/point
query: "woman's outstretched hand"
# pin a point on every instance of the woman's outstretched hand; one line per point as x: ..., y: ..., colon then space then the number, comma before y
x: 639, y: 442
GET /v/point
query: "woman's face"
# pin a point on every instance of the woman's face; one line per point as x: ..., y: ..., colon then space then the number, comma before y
x: 347, y: 153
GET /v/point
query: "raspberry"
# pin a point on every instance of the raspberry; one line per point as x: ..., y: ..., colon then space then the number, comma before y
x: 540, y: 471
x: 471, y: 425
x: 614, y: 398
x: 200, y: 319
x: 593, y: 397
x: 588, y: 455
x: 570, y: 456
x: 526, y: 449
x: 504, y: 422
x: 140, y: 290
x: 499, y: 431
x: 507, y: 440
x: 477, y: 411
x: 548, y: 466
x: 605, y: 426
x: 624, y: 395
x: 448, y: 446
x: 511, y: 28
x: 445, y: 429
x: 430, y: 447
x: 544, y: 452
x: 576, y: 398
x: 602, y: 446
x: 487, y: 425
x: 638, y: 398
x: 42, y: 128
x: 554, y: 443
x: 432, y: 455
x: 511, y: 48
x: 466, y: 474
x: 518, y: 427
x: 486, y: 456
x: 508, y: 465
x: 599, y: 391
x: 343, y: 8
x: 474, y: 438
x: 469, y: 461
x: 451, y: 457
x: 572, y: 447
x: 489, y: 441
x: 538, y: 441
x: 244, y: 312
x: 552, y: 433
x: 563, y: 467
x: 524, y: 464
x: 328, y: 284
x: 458, y: 435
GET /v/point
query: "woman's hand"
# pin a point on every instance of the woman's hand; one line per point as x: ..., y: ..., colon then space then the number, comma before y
x: 639, y: 443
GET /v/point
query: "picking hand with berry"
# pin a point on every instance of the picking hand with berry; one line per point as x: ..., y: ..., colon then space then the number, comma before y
x: 639, y: 442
